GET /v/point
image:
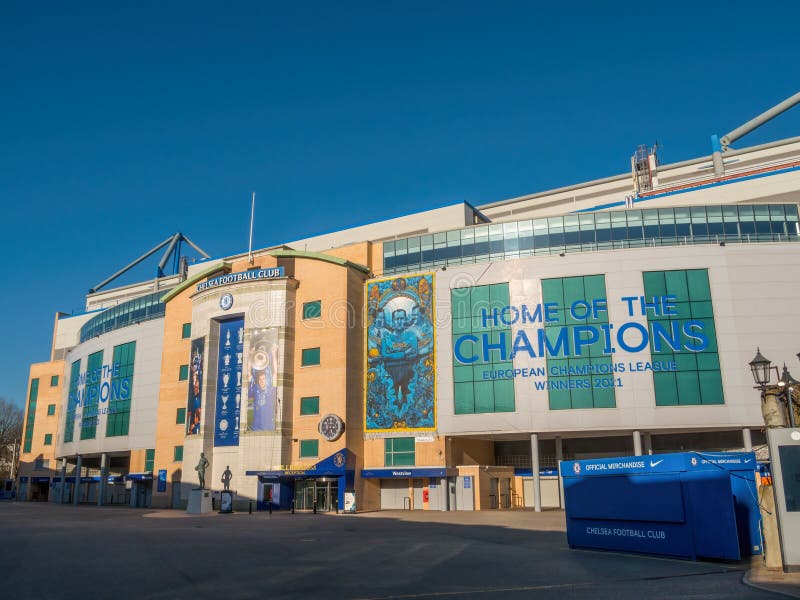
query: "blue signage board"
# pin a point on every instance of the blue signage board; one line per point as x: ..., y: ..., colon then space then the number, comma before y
x: 402, y: 473
x: 254, y: 275
x: 687, y: 504
x: 337, y: 464
x: 162, y: 480
x: 229, y: 382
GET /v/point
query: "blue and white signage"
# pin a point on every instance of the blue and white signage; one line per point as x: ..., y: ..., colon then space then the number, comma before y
x: 241, y: 277
x: 229, y: 383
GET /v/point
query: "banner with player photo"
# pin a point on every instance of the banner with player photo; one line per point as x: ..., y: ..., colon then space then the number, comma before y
x: 263, y: 405
x: 195, y: 406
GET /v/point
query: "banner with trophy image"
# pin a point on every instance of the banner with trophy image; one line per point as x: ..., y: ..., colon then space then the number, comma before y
x: 229, y: 382
x: 401, y: 367
x: 195, y: 406
x: 263, y: 405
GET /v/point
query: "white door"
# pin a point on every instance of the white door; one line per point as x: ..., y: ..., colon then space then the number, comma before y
x: 394, y: 494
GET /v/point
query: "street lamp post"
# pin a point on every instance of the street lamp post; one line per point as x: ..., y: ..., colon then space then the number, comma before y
x: 761, y: 368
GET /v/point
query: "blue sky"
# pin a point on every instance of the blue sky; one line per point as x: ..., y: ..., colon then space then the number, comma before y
x: 121, y: 123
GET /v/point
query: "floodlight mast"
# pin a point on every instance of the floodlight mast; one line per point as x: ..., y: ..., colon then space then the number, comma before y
x: 720, y: 145
x: 171, y: 242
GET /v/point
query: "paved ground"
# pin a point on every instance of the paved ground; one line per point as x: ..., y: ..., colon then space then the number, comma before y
x: 51, y: 551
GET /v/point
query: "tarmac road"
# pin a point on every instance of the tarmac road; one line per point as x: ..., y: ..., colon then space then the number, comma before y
x: 64, y: 552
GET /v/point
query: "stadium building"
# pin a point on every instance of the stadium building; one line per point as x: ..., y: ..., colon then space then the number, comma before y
x: 445, y: 360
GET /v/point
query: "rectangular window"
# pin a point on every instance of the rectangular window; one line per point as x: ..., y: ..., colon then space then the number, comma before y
x: 399, y: 452
x: 91, y: 396
x: 473, y: 309
x: 53, y: 380
x: 119, y: 406
x: 310, y: 357
x: 51, y: 410
x: 177, y: 454
x: 40, y: 464
x: 312, y: 310
x: 180, y: 416
x: 149, y: 459
x: 697, y: 379
x: 186, y: 331
x: 48, y: 439
x: 309, y: 448
x: 577, y: 383
x: 183, y: 373
x: 72, y: 401
x: 33, y: 396
x: 309, y: 405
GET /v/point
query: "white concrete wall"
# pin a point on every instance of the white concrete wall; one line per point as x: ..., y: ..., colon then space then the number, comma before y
x: 438, y: 219
x: 144, y: 399
x: 263, y: 305
x: 755, y: 304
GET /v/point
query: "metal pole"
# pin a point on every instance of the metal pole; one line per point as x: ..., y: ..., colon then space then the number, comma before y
x: 747, y: 439
x: 537, y: 480
x: 758, y: 121
x: 63, y: 480
x: 637, y: 443
x: 77, y: 487
x: 101, y: 492
x: 252, y: 214
x: 559, y: 458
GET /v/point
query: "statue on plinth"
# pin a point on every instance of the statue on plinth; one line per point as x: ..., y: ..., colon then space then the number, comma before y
x: 201, y: 467
x: 226, y: 478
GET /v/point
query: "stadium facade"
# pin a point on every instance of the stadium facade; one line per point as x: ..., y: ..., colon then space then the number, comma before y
x: 445, y: 360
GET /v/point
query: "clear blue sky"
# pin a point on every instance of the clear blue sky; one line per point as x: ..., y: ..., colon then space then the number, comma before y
x: 121, y: 123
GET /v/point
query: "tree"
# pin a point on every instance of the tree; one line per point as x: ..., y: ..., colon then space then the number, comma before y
x: 10, y: 436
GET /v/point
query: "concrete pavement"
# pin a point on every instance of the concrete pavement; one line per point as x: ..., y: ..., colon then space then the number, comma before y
x: 51, y: 551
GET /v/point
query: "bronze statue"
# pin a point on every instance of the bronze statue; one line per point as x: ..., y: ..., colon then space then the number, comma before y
x: 226, y: 478
x: 201, y: 467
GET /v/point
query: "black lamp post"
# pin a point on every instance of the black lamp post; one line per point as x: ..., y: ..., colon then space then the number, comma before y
x: 760, y: 367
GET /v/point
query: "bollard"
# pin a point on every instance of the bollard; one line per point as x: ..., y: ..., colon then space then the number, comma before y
x: 315, y: 506
x: 336, y: 505
x: 250, y: 511
x: 292, y: 505
x: 270, y: 508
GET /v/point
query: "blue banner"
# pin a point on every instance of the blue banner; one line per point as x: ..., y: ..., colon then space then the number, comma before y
x: 162, y: 480
x: 229, y: 382
x: 195, y: 403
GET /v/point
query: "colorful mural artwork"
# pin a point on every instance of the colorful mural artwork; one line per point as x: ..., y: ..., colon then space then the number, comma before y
x: 401, y: 369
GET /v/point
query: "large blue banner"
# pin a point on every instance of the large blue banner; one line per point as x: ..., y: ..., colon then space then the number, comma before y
x: 229, y: 382
x: 401, y: 364
x: 194, y: 408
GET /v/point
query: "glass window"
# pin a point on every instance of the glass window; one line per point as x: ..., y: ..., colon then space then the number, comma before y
x: 399, y: 452
x: 309, y: 405
x: 149, y: 459
x: 309, y: 448
x: 180, y: 416
x: 119, y: 406
x: 53, y: 380
x: 183, y: 373
x: 309, y: 357
x: 48, y: 439
x: 51, y: 409
x: 697, y: 378
x: 474, y: 308
x: 177, y: 454
x: 186, y: 330
x: 312, y: 310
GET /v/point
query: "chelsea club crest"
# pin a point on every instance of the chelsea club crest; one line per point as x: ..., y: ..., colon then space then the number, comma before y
x: 226, y: 301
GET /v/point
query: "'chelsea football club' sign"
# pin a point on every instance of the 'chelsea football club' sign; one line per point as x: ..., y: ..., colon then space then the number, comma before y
x: 271, y: 273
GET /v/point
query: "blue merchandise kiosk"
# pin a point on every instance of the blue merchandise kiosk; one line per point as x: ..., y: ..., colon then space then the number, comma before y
x: 687, y: 505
